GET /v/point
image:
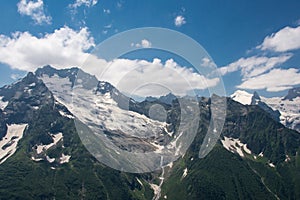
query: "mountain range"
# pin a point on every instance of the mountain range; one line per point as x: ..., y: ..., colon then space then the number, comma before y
x: 284, y: 109
x: 44, y: 154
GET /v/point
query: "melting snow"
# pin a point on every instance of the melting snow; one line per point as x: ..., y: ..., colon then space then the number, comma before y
x: 101, y: 112
x: 170, y: 165
x: 10, y: 141
x: 50, y: 160
x: 3, y: 104
x: 271, y: 165
x: 287, y: 158
x: 235, y: 146
x: 36, y: 159
x: 64, y: 159
x: 62, y: 113
x: 261, y: 154
x: 185, y: 171
x: 89, y: 106
x: 140, y: 182
x: 56, y: 138
x: 32, y: 85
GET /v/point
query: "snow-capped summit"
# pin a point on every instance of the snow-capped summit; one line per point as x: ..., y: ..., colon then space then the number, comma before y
x: 284, y: 109
x: 100, y: 105
x: 242, y: 97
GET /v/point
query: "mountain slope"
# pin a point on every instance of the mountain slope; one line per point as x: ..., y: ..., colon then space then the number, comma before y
x: 259, y: 161
x: 255, y: 158
x: 50, y: 160
x: 283, y: 109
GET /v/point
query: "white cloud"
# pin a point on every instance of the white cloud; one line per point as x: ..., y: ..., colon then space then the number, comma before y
x: 206, y: 62
x: 108, y: 26
x: 87, y: 3
x: 273, y: 81
x: 119, y: 4
x: 34, y: 9
x: 286, y: 39
x: 179, y: 21
x: 106, y: 11
x: 64, y: 47
x: 15, y: 76
x: 143, y: 44
x: 254, y: 66
x: 145, y: 78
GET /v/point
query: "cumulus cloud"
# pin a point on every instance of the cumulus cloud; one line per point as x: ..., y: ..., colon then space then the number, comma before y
x: 87, y: 3
x: 206, y: 62
x: 64, y: 47
x: 254, y: 66
x: 286, y: 39
x: 144, y: 78
x: 34, y: 9
x: 143, y: 44
x: 274, y: 81
x: 179, y: 21
x: 263, y: 72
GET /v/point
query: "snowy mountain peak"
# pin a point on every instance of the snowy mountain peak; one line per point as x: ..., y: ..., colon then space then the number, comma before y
x: 103, y: 108
x: 168, y: 99
x: 242, y: 97
x: 292, y: 94
x: 283, y: 109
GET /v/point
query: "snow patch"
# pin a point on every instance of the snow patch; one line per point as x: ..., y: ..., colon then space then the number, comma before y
x: 185, y: 171
x: 271, y: 165
x: 235, y: 146
x: 140, y: 182
x: 8, y: 144
x: 155, y: 188
x: 36, y: 159
x: 35, y: 107
x: 32, y: 85
x: 170, y: 165
x: 3, y: 104
x: 50, y: 160
x: 62, y: 113
x: 56, y: 138
x: 64, y: 158
x: 287, y: 158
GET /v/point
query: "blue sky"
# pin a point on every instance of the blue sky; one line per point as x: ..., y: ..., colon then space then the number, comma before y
x: 255, y: 44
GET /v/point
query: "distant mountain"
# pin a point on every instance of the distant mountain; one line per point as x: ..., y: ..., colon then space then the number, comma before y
x: 292, y: 94
x: 243, y: 97
x: 166, y: 99
x: 43, y: 157
x: 284, y: 109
